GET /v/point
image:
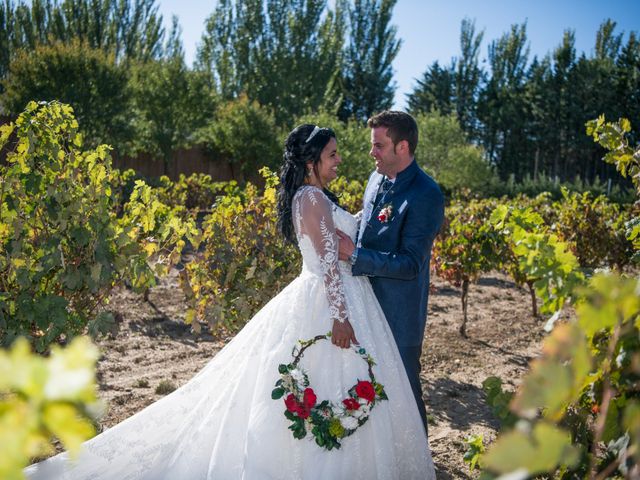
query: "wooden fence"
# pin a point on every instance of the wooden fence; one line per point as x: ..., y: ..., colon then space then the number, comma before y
x: 183, y: 161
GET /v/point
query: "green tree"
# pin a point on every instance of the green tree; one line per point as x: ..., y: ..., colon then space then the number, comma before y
x: 501, y: 107
x: 130, y: 30
x: 445, y: 152
x: 245, y: 135
x: 368, y: 72
x: 170, y: 102
x: 564, y: 58
x: 353, y: 144
x: 228, y: 58
x: 468, y: 77
x: 435, y: 91
x: 596, y: 86
x: 453, y: 88
x: 285, y: 55
x: 7, y: 35
x: 541, y: 107
x: 86, y: 78
x: 628, y: 81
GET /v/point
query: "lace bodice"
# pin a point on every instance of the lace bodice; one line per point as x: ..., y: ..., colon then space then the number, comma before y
x: 316, y: 218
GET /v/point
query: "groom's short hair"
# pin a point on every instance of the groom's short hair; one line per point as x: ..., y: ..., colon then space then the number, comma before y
x: 400, y: 126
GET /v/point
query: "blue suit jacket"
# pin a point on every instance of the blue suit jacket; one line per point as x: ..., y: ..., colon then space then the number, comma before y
x: 395, y: 254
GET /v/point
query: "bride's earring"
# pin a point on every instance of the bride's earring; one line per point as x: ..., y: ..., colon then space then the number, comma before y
x: 309, y: 176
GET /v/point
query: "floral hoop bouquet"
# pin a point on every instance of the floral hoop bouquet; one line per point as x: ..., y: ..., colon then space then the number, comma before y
x: 326, y: 421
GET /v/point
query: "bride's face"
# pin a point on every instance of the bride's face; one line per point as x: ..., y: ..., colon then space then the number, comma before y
x: 327, y: 167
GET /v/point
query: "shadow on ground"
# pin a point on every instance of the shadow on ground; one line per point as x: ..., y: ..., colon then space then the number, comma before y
x: 460, y: 404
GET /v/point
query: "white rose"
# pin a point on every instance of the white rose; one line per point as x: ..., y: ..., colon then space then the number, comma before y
x: 349, y: 423
x: 358, y: 413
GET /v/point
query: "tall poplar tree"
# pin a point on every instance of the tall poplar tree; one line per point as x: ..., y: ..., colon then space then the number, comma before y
x: 454, y: 88
x: 434, y: 91
x: 284, y: 54
x: 130, y: 30
x: 372, y: 47
x: 628, y: 82
x: 468, y: 77
x: 501, y: 108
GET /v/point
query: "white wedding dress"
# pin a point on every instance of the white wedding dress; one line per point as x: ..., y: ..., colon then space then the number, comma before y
x: 223, y: 424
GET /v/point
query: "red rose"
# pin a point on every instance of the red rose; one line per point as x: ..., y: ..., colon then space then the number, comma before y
x: 351, y: 403
x: 291, y: 403
x: 382, y: 217
x: 309, y: 398
x: 365, y: 390
x: 304, y: 412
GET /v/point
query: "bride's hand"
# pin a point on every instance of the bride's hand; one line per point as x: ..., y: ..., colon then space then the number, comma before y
x: 342, y: 334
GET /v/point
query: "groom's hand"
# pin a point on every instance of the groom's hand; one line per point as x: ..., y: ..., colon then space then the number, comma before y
x: 345, y: 245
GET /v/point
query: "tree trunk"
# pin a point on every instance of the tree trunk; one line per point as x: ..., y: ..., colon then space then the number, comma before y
x: 465, y: 298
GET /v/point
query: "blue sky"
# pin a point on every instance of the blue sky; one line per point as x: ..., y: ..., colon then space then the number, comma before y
x: 430, y: 29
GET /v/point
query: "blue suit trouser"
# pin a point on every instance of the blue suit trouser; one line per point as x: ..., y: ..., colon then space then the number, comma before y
x: 411, y: 360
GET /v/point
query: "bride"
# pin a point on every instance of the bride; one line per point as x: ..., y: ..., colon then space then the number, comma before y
x: 223, y: 424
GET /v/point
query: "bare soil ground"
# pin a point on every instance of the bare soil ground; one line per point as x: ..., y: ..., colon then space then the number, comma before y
x: 154, y: 352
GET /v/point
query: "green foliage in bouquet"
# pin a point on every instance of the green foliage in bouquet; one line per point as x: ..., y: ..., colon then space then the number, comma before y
x: 328, y: 422
x: 62, y: 245
x: 45, y: 398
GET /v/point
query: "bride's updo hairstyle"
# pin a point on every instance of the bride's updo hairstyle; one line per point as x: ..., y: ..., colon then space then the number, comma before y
x: 303, y: 145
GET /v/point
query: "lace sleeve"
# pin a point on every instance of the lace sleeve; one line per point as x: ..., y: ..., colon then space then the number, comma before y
x: 316, y: 221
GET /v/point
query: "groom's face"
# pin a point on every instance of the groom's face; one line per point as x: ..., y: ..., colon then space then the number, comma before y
x: 383, y: 151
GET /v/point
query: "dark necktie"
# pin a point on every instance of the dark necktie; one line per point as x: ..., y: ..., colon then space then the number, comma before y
x: 382, y: 191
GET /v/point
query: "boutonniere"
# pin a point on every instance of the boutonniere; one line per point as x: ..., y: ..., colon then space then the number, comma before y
x: 385, y: 213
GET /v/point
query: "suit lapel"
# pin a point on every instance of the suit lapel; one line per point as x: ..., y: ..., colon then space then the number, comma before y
x: 369, y: 197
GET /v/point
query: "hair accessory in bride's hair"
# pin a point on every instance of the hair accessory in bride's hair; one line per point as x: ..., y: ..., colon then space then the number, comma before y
x: 316, y: 129
x: 327, y: 422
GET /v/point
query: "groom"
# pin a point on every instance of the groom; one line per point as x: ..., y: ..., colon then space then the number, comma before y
x: 402, y: 214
